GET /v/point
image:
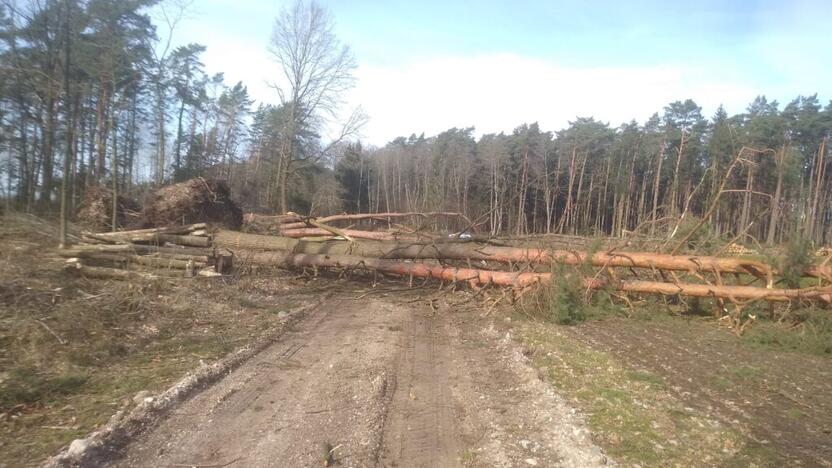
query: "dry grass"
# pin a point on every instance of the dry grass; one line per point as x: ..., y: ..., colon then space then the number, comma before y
x: 75, y: 351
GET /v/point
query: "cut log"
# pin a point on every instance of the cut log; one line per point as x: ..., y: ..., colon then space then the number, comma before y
x: 356, y: 234
x: 76, y: 267
x: 155, y: 262
x: 85, y: 250
x: 121, y: 235
x: 471, y: 251
x: 177, y: 250
x: 91, y: 251
x: 204, y: 259
x: 523, y: 279
x: 190, y: 241
x: 225, y: 262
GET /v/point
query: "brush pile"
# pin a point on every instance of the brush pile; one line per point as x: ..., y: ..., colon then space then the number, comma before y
x: 179, y: 251
x: 193, y: 201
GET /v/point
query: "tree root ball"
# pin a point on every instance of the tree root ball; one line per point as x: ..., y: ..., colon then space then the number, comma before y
x: 193, y: 201
x: 96, y: 212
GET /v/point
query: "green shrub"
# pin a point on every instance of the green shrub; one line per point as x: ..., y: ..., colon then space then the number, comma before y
x: 809, y: 331
x: 565, y: 300
x: 798, y: 256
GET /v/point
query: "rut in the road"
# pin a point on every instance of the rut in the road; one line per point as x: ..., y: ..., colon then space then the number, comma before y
x: 420, y: 428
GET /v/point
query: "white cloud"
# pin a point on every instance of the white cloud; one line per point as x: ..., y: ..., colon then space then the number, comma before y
x: 493, y: 93
x: 498, y: 92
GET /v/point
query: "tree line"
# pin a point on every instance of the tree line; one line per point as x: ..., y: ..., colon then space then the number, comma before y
x: 762, y: 175
x: 90, y: 88
x: 92, y: 91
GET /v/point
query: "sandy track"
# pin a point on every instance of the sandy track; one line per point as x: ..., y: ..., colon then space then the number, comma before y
x: 387, y: 384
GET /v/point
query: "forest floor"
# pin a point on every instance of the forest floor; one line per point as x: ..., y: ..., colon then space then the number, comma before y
x: 387, y: 376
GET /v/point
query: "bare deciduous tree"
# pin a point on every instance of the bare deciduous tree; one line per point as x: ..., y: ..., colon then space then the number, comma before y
x: 317, y: 71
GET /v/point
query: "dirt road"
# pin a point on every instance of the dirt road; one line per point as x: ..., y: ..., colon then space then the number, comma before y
x: 376, y: 383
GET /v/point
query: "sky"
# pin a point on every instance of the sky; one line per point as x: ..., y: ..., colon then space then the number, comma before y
x: 429, y: 65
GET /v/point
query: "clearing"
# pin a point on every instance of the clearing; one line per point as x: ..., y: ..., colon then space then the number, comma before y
x: 390, y: 376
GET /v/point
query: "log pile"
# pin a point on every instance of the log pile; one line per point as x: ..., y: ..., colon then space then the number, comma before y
x: 177, y: 251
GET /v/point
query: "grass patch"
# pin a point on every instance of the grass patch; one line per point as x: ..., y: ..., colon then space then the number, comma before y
x: 564, y: 300
x: 467, y: 457
x: 809, y: 331
x: 27, y: 385
x: 631, y: 412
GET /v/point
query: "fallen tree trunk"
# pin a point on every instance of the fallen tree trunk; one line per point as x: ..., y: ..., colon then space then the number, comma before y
x: 371, y: 235
x: 296, y: 221
x: 141, y: 233
x: 107, y: 273
x: 155, y: 262
x: 190, y: 241
x: 151, y: 251
x: 522, y: 279
x: 477, y: 252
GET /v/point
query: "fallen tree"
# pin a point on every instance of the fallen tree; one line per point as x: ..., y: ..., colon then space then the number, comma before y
x: 519, y: 280
x: 352, y: 233
x: 294, y: 221
x: 478, y: 252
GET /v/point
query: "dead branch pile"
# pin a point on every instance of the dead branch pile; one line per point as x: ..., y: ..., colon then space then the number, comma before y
x: 96, y: 212
x: 193, y: 201
x: 178, y: 251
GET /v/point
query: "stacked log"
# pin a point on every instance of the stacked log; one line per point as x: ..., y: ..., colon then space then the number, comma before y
x: 176, y: 251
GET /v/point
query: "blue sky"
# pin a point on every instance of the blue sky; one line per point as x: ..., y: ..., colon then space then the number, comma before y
x: 425, y: 66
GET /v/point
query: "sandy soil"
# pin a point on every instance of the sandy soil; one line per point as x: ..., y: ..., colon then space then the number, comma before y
x: 378, y: 382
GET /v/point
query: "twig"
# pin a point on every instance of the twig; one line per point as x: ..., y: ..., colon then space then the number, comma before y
x: 60, y: 340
